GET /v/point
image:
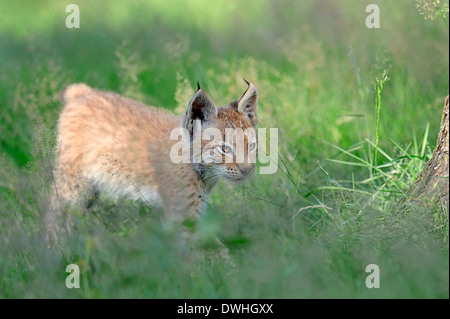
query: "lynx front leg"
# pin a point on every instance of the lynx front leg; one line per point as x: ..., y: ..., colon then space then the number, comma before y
x: 186, y: 222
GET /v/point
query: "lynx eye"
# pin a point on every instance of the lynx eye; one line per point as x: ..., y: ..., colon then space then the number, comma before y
x: 252, y: 146
x: 224, y: 149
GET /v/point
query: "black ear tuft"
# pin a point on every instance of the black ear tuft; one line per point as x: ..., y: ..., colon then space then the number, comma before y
x: 248, y: 103
x: 198, y: 86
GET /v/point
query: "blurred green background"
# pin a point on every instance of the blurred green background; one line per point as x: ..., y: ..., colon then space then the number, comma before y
x: 307, y: 231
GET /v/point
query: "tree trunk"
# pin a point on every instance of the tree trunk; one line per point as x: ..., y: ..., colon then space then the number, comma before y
x: 431, y: 190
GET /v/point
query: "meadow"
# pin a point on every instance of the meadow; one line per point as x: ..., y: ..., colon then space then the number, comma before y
x: 307, y: 231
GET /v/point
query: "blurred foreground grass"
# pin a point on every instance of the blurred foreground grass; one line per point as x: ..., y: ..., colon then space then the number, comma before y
x: 308, y: 231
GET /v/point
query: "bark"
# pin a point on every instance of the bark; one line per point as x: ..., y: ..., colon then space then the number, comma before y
x: 431, y: 190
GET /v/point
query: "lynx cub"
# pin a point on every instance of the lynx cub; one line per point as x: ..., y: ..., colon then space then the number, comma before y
x: 112, y: 144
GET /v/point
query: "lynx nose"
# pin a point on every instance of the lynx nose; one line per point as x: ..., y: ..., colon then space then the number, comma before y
x: 246, y: 169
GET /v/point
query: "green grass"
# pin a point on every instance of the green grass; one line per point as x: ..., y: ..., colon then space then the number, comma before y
x: 307, y: 231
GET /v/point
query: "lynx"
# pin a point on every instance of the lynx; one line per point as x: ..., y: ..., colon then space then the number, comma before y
x: 112, y: 144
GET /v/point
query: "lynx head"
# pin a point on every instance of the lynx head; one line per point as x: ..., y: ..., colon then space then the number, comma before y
x: 227, y: 138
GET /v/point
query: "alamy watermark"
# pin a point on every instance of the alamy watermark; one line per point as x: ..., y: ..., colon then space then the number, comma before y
x: 73, y: 279
x: 373, y: 280
x: 235, y: 145
x: 73, y: 19
x: 373, y: 19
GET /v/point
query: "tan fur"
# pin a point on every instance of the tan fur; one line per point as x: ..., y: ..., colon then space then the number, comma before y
x: 109, y: 143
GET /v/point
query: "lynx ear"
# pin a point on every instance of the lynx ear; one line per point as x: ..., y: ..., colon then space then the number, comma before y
x: 201, y: 107
x: 248, y: 103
